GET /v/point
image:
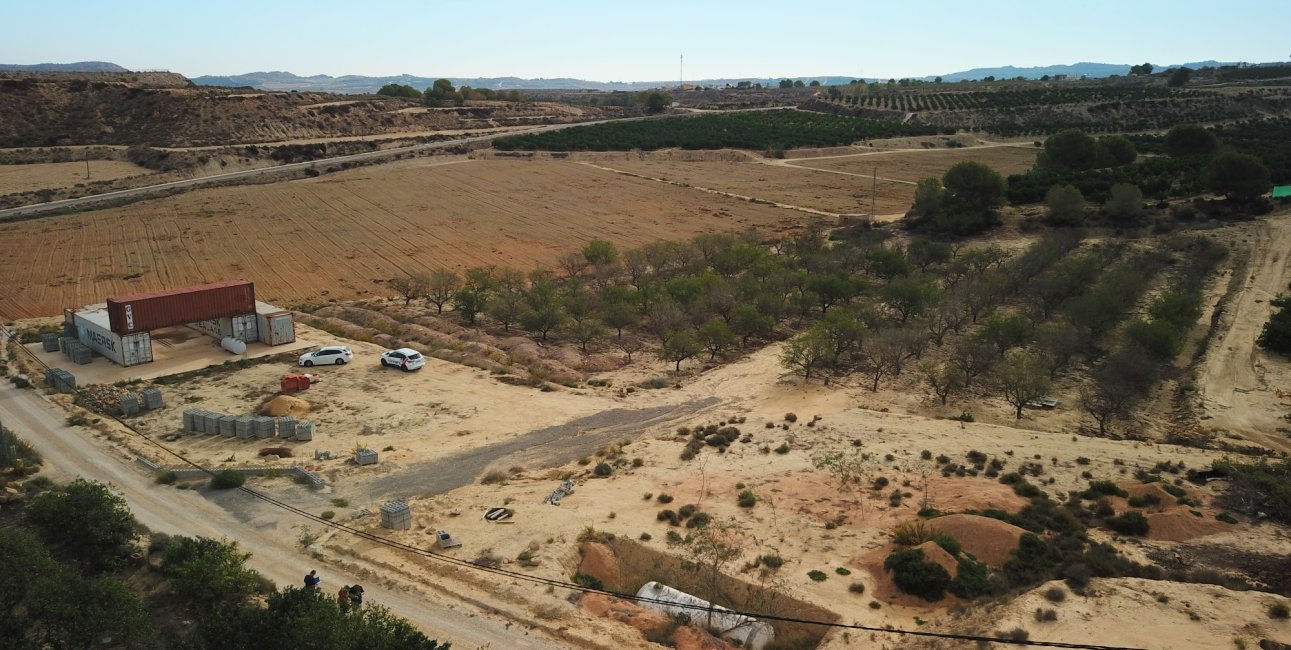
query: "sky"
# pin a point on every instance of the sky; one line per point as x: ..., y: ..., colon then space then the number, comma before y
x: 635, y: 41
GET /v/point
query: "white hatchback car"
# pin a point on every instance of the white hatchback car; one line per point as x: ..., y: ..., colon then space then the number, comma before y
x: 330, y: 355
x: 405, y: 358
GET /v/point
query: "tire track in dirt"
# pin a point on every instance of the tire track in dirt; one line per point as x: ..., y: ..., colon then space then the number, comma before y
x: 1239, y: 383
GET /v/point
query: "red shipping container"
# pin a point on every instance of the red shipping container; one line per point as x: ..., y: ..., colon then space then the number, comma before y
x: 143, y: 312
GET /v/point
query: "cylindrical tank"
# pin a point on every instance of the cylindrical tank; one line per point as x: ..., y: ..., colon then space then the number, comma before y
x: 233, y: 345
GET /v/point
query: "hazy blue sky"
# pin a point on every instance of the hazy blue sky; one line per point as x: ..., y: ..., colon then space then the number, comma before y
x: 636, y: 41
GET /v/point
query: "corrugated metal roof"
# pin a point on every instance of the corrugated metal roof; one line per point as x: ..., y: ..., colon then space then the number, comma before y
x: 1281, y: 191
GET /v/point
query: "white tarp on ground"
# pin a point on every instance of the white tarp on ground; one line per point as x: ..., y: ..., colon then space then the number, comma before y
x: 748, y: 631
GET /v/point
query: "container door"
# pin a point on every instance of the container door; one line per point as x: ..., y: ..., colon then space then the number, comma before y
x: 284, y: 329
x: 244, y: 328
x: 138, y: 349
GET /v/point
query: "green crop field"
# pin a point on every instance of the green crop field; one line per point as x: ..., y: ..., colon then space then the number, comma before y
x: 757, y: 130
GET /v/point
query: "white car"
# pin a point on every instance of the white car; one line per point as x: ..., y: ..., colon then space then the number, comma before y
x: 331, y: 355
x: 405, y: 358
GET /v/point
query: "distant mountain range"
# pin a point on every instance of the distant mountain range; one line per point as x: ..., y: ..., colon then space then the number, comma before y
x: 1083, y: 69
x: 357, y: 84
x: 82, y: 66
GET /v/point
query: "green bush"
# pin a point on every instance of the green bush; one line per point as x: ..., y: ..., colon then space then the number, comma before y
x: 227, y: 479
x: 947, y: 543
x: 1103, y: 488
x: 972, y: 579
x: 771, y: 560
x: 916, y: 576
x: 590, y: 582
x: 603, y: 469
x: 747, y: 499
x: 1129, y: 523
x: 1280, y: 611
x: 817, y: 576
x: 166, y: 478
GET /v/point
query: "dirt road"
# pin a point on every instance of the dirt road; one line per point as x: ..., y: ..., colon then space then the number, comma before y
x: 70, y: 452
x: 543, y: 448
x: 1240, y: 383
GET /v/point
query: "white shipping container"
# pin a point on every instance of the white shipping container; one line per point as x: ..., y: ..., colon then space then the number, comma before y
x: 217, y: 328
x: 92, y: 329
x: 276, y: 326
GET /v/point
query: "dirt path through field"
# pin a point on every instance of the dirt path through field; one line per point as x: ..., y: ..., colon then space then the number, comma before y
x: 1241, y: 385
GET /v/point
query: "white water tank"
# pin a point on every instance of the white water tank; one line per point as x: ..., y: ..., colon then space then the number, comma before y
x: 233, y: 345
x: 748, y: 631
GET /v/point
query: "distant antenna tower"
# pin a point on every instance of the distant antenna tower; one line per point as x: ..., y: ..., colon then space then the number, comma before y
x: 681, y: 71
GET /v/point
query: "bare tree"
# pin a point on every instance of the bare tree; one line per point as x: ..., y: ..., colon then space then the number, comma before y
x: 973, y: 357
x: 1117, y: 385
x: 440, y: 287
x: 711, y: 547
x: 881, y: 356
x: 630, y: 345
x: 572, y: 263
x: 944, y: 378
x: 410, y: 287
x: 848, y: 469
x: 806, y: 354
x: 1021, y: 377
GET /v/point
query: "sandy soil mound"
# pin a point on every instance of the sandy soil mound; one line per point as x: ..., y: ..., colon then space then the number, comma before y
x: 691, y: 638
x: 989, y: 540
x: 600, y: 563
x: 884, y: 590
x: 285, y: 405
x: 938, y: 555
x: 625, y: 612
x: 1179, y: 525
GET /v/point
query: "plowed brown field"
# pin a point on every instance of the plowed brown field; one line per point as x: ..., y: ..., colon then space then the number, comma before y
x: 919, y: 164
x: 341, y: 235
x: 29, y: 178
x: 835, y: 184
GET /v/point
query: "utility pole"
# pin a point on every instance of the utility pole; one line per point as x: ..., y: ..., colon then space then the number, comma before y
x: 87, y: 163
x: 681, y: 71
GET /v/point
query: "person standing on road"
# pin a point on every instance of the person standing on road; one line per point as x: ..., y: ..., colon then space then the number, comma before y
x: 343, y: 599
x: 356, y: 596
x: 312, y: 580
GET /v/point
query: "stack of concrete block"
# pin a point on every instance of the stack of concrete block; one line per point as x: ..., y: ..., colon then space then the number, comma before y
x: 365, y: 456
x: 262, y: 427
x: 49, y: 342
x: 130, y: 405
x: 304, y: 430
x: 227, y: 426
x: 152, y: 398
x: 60, y: 380
x: 242, y: 425
x: 212, y: 422
x: 286, y: 427
x: 396, y: 515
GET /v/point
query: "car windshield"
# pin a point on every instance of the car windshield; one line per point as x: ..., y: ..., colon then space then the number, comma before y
x: 414, y: 356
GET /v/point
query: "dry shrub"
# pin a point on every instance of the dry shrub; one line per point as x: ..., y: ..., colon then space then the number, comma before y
x: 549, y: 612
x: 912, y: 533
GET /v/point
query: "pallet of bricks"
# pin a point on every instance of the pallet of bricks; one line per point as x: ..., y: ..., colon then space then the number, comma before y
x: 73, y: 349
x: 201, y: 421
